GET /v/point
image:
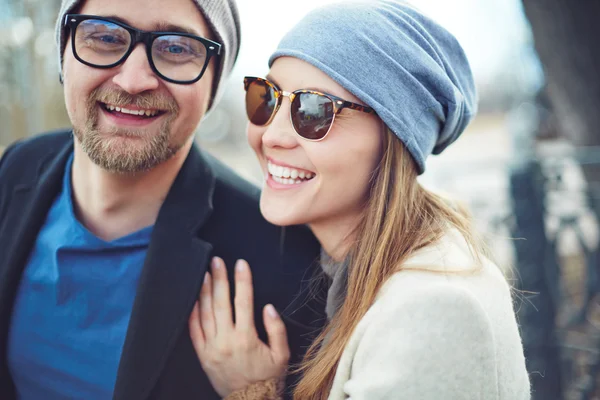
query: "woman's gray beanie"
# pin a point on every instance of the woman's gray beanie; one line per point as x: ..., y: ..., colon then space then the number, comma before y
x: 222, y: 17
x: 407, y: 67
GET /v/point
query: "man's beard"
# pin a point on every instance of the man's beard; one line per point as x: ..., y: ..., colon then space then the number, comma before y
x: 110, y: 150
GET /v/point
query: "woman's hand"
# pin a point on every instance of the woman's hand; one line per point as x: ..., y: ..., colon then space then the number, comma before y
x: 231, y: 354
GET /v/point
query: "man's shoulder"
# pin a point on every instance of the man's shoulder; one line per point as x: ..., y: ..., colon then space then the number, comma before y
x: 24, y: 154
x: 230, y: 183
x: 234, y: 198
x: 24, y: 160
x: 239, y: 199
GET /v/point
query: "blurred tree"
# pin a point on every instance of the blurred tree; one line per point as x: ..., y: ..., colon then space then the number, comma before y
x: 565, y: 34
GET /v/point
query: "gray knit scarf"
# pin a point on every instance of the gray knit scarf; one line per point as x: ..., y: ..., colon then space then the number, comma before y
x: 338, y: 273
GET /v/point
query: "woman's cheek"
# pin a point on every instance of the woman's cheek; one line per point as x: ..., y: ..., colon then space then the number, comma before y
x: 254, y: 136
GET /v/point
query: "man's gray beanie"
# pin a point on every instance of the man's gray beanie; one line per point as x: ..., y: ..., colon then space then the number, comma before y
x: 411, y: 70
x: 222, y: 17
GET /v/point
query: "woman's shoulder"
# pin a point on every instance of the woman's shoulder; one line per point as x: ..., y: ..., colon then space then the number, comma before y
x: 448, y: 271
x: 443, y: 318
x: 449, y: 260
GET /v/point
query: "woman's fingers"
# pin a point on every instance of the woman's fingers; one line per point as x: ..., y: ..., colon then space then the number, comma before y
x: 244, y: 299
x: 280, y: 350
x: 207, y: 317
x: 221, y: 297
x: 195, y: 327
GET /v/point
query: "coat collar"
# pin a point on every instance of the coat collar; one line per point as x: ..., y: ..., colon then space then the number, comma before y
x: 29, y: 205
x: 171, y: 279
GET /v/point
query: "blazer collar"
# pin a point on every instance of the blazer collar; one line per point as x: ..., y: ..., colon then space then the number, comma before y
x: 28, y: 206
x: 170, y: 282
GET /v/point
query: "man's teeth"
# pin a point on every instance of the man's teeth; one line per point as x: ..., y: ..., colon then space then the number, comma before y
x: 287, y: 175
x: 148, y: 113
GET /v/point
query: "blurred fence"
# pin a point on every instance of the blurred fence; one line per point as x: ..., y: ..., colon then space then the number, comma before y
x: 541, y: 217
x: 559, y: 263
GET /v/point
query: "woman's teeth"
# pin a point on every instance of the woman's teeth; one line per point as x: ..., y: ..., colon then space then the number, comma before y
x: 287, y: 175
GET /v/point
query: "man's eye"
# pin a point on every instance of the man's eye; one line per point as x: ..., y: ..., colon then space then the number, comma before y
x: 108, y: 39
x: 175, y: 49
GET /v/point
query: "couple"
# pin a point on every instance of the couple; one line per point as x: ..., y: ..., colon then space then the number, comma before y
x: 121, y: 275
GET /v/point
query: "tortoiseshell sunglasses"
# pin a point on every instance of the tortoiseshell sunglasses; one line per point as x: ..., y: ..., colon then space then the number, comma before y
x: 312, y: 113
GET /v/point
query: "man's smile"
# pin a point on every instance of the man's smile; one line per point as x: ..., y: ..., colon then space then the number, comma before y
x: 130, y: 115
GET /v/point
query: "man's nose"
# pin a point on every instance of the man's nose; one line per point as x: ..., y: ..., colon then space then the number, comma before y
x: 135, y: 74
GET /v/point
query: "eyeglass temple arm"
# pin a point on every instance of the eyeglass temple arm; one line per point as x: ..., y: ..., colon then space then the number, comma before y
x: 355, y: 106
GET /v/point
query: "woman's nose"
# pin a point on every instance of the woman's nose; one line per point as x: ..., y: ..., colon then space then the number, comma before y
x: 280, y: 132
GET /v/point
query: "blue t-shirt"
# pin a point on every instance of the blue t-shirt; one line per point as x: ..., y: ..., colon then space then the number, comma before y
x: 73, y: 307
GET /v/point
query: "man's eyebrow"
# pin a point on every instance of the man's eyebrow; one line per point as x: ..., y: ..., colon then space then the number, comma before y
x: 160, y: 26
x: 167, y: 27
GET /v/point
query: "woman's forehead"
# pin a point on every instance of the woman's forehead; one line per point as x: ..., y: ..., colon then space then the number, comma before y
x: 290, y: 73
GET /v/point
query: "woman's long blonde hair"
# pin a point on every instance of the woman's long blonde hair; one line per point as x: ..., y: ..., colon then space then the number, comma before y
x: 400, y: 217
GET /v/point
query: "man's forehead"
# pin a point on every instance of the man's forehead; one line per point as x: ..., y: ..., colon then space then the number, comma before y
x: 162, y: 26
x: 151, y: 15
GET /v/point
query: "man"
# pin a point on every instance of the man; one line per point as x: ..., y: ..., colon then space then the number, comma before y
x: 106, y: 232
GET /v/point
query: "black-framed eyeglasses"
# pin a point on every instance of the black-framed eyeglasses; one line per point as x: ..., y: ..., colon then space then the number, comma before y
x: 176, y: 57
x: 312, y: 113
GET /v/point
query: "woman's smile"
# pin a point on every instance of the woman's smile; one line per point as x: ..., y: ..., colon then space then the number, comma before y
x: 284, y: 176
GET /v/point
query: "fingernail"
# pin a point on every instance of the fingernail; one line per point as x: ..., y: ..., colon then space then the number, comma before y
x: 240, y: 265
x: 271, y: 311
x: 215, y: 263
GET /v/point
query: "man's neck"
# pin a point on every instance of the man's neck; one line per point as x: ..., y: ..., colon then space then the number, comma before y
x: 112, y: 205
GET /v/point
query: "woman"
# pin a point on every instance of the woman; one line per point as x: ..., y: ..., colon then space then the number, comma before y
x: 357, y: 96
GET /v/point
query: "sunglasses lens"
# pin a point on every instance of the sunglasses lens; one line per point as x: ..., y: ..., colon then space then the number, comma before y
x: 260, y: 102
x: 312, y: 115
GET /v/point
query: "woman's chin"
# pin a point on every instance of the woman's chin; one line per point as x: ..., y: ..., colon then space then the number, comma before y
x: 280, y: 215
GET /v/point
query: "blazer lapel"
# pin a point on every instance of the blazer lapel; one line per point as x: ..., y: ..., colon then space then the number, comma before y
x: 27, y: 212
x: 170, y: 282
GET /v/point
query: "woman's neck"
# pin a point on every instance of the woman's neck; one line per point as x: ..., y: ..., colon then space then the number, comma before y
x: 336, y: 235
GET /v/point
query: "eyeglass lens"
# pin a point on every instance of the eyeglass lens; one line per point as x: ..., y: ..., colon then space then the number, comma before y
x: 104, y: 43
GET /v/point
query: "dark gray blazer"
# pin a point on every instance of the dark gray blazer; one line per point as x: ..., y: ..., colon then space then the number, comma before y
x: 209, y: 211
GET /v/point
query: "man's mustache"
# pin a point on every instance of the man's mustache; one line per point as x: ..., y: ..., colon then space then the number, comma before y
x: 146, y: 101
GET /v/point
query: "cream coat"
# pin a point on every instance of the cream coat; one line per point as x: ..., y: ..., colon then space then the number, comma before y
x: 437, y: 336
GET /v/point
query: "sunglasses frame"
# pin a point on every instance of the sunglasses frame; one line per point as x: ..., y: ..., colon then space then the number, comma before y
x: 72, y: 21
x: 338, y: 103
